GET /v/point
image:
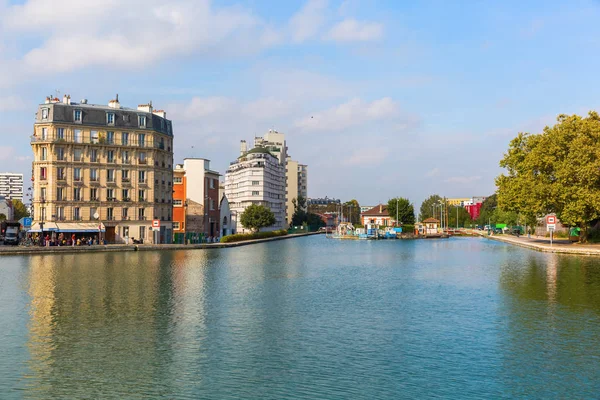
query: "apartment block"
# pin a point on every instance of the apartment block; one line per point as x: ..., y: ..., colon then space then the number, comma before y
x: 103, y: 168
x: 257, y: 176
x: 11, y: 186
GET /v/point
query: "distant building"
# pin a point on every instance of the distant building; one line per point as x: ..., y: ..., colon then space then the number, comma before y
x: 296, y: 185
x: 474, y: 210
x: 11, y: 186
x: 431, y: 226
x: 377, y: 215
x: 458, y: 201
x: 257, y: 177
x: 365, y: 208
x: 195, y: 200
x: 322, y: 201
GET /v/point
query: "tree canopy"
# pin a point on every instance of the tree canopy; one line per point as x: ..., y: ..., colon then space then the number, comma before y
x: 555, y: 172
x: 352, y: 210
x: 426, y: 210
x: 257, y: 216
x: 464, y: 218
x: 406, y: 211
x: 19, y: 210
x: 301, y: 217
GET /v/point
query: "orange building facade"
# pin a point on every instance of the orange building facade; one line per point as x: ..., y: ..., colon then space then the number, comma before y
x: 179, y: 196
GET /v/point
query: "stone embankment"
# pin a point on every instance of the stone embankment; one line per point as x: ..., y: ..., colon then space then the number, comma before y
x: 540, y: 243
x: 10, y: 250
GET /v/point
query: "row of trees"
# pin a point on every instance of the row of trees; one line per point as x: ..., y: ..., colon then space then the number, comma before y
x: 557, y: 171
x: 305, y: 218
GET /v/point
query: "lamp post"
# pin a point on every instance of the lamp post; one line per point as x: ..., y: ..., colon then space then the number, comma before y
x: 396, y: 211
x: 43, y: 217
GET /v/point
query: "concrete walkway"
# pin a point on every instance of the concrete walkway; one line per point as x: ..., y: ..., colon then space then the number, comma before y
x: 11, y: 250
x: 543, y: 244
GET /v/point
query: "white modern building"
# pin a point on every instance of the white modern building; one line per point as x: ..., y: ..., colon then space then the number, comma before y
x: 257, y: 176
x: 11, y: 186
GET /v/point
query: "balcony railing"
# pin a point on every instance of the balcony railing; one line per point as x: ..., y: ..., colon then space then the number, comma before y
x: 125, y: 180
x: 141, y: 217
x: 124, y: 218
x: 143, y: 162
x: 77, y: 218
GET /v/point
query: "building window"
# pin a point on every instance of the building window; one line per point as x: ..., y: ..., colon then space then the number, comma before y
x: 77, y: 194
x: 77, y: 115
x: 109, y: 214
x: 44, y: 133
x: 177, y: 203
x: 211, y: 204
x: 94, y: 137
x: 93, y: 195
x: 110, y: 175
x: 76, y: 214
x: 110, y: 118
x: 177, y: 179
x: 60, y: 154
x: 45, y: 113
x: 59, y: 194
x: 125, y: 213
x: 141, y: 139
x: 77, y: 155
x: 43, y: 193
x: 60, y: 213
x: 109, y: 195
x: 255, y: 183
x: 125, y: 155
x: 110, y: 156
x: 125, y: 175
x: 142, y: 121
x: 176, y: 225
x: 44, y: 155
x: 141, y: 195
x: 255, y: 193
x: 141, y: 176
x: 110, y: 137
x: 60, y: 133
x: 94, y: 155
x: 125, y: 195
x: 43, y: 174
x: 78, y: 136
x: 142, y: 158
x: 60, y: 174
x: 77, y: 174
x: 141, y: 215
x: 125, y: 138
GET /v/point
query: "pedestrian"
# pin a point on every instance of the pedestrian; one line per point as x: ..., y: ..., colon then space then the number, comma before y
x: 73, y: 239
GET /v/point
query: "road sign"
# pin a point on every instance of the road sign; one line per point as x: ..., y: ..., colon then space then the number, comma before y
x: 550, y: 220
x: 156, y: 224
x: 26, y: 222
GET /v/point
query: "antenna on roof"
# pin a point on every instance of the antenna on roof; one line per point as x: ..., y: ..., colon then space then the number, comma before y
x: 117, y: 97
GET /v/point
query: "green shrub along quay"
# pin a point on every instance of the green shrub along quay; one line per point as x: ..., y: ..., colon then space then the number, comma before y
x: 238, y: 237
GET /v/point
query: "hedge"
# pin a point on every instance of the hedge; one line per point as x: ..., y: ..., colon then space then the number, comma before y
x: 238, y: 237
x: 408, y: 228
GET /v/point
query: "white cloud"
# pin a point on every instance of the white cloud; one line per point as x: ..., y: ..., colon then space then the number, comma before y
x: 307, y: 22
x: 76, y: 35
x: 351, y: 30
x: 354, y: 112
x: 463, y: 179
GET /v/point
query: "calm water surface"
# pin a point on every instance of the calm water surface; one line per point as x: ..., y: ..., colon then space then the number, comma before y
x: 306, y: 318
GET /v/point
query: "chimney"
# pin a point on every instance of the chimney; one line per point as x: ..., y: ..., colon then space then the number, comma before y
x: 114, y: 103
x: 69, y: 99
x: 145, y: 107
x: 160, y: 113
x: 380, y: 208
x: 47, y: 100
x: 65, y: 99
x: 243, y: 147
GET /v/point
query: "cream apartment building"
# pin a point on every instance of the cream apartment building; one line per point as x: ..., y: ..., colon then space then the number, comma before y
x: 102, y: 169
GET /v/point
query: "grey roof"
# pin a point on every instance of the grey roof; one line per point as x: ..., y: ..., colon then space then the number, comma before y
x: 95, y: 115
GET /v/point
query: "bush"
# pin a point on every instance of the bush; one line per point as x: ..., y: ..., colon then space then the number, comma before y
x: 239, y: 237
x: 408, y: 228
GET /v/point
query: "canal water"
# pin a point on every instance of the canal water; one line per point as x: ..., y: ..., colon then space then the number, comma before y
x: 306, y: 318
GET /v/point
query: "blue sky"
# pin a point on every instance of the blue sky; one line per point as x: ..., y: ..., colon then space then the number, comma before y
x: 406, y: 98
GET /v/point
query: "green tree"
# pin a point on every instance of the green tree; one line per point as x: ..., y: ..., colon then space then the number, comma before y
x: 2, y: 217
x: 314, y: 221
x: 555, y: 172
x: 300, y: 216
x: 426, y: 210
x: 352, y: 209
x: 487, y: 212
x: 464, y: 218
x: 19, y: 210
x: 406, y: 211
x: 257, y: 216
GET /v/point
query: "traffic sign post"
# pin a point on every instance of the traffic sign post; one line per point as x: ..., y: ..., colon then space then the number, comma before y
x: 156, y: 224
